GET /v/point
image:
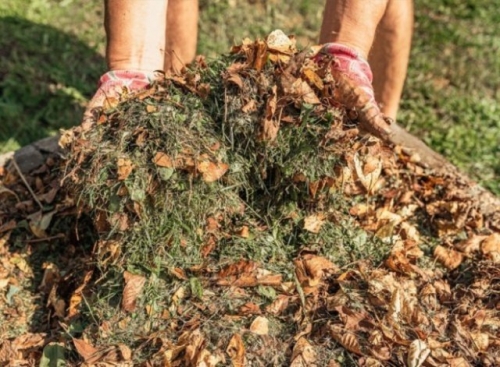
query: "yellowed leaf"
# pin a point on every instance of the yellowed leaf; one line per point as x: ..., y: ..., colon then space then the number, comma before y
x: 260, y: 326
x: 417, y: 353
x: 151, y: 108
x: 4, y: 283
x: 133, y: 287
x: 314, y: 222
x: 236, y: 351
x: 279, y: 42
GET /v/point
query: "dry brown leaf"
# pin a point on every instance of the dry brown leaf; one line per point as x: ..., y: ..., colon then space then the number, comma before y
x: 236, y: 351
x: 278, y: 305
x: 211, y: 171
x: 163, y: 160
x: 481, y: 341
x: 125, y: 168
x: 244, y: 232
x: 451, y: 259
x: 458, y: 362
x: 490, y: 247
x: 249, y: 308
x: 347, y: 339
x: 84, y: 349
x: 317, y: 266
x: 417, y: 353
x: 250, y: 106
x: 151, y: 108
x: 314, y: 222
x: 29, y: 341
x: 235, y: 79
x: 313, y: 78
x: 302, y: 90
x: 303, y: 354
x: 279, y: 42
x: 470, y: 245
x: 368, y: 180
x: 133, y: 287
x: 260, y: 326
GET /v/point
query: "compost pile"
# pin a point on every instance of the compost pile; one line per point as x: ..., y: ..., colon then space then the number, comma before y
x: 236, y: 215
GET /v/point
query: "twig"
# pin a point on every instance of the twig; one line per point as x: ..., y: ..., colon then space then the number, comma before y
x: 26, y: 183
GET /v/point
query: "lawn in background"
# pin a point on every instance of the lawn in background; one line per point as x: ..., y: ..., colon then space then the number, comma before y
x: 52, y: 57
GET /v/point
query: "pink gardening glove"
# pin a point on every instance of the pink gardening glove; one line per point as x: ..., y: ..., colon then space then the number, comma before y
x: 354, y: 78
x: 111, y: 88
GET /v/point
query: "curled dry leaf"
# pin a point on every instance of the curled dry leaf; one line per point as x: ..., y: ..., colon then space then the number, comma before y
x: 347, y: 339
x: 133, y: 287
x: 417, y: 353
x: 451, y: 259
x: 369, y: 174
x: 236, y: 351
x: 211, y: 171
x: 163, y: 160
x: 303, y: 354
x: 84, y: 349
x: 278, y: 305
x: 260, y: 326
x: 490, y: 247
x: 124, y: 168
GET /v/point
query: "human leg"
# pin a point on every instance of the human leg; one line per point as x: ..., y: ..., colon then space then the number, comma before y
x: 181, y: 34
x: 352, y: 23
x: 135, y: 31
x: 390, y: 55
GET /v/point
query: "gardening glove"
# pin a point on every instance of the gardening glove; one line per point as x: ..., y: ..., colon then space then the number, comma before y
x: 354, y: 86
x: 113, y: 86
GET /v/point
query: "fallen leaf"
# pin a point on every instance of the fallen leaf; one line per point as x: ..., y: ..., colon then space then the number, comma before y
x: 303, y: 354
x: 314, y: 222
x: 278, y: 305
x: 490, y: 247
x: 151, y: 108
x: 236, y: 351
x: 211, y: 171
x: 260, y: 326
x: 163, y: 160
x: 133, y: 287
x: 373, y: 169
x: 348, y: 340
x: 125, y: 168
x: 451, y: 259
x: 417, y: 353
x: 84, y: 349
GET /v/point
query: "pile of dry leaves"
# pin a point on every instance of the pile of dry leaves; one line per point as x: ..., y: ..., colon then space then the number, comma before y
x: 235, y: 215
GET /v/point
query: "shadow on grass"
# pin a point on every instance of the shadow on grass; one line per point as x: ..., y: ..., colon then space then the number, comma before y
x: 46, y: 77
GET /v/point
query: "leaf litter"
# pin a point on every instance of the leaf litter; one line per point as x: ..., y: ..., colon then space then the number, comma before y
x: 236, y: 214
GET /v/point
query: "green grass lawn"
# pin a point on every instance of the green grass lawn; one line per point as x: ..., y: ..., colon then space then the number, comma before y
x: 52, y: 56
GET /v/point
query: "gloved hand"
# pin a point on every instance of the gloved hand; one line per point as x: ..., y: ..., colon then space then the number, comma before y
x: 112, y: 86
x: 354, y: 85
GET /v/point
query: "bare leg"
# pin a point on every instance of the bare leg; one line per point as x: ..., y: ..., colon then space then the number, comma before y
x: 182, y: 33
x: 390, y: 54
x: 135, y: 32
x: 352, y: 23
